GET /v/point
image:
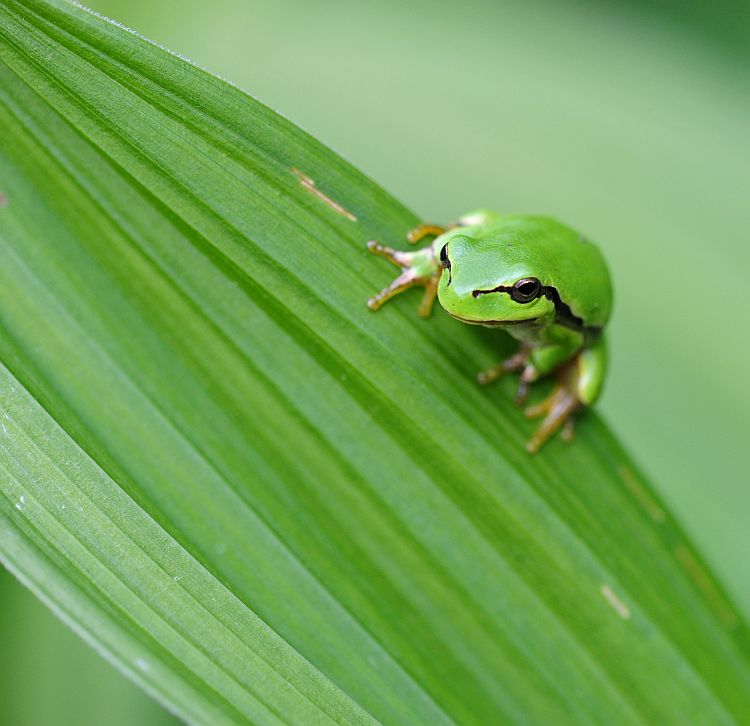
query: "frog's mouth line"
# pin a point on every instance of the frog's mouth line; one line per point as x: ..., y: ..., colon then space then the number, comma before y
x: 493, y: 323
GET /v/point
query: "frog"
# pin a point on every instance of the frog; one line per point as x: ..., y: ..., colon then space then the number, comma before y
x: 535, y: 278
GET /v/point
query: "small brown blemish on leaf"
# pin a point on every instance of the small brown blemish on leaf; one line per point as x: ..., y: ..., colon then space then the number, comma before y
x: 309, y: 184
x: 617, y: 605
x: 641, y: 494
x: 706, y: 585
x: 3, y: 200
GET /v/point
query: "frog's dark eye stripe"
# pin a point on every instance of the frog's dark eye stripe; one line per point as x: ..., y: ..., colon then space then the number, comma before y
x: 445, y: 261
x: 522, y: 292
x: 526, y: 290
x: 444, y: 256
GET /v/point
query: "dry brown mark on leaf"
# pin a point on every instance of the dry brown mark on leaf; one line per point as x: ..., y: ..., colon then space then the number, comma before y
x: 642, y: 495
x: 309, y: 184
x: 706, y: 585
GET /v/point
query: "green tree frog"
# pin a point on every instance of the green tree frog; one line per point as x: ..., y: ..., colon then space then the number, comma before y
x: 535, y: 278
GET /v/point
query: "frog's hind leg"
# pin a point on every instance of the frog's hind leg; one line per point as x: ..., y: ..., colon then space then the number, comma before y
x: 557, y: 409
x: 579, y: 384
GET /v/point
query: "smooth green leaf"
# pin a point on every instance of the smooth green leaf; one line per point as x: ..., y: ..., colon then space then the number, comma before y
x: 262, y: 501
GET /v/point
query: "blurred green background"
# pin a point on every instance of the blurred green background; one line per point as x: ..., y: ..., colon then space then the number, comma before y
x: 629, y: 121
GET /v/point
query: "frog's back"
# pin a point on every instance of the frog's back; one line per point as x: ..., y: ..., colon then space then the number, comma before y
x: 561, y: 258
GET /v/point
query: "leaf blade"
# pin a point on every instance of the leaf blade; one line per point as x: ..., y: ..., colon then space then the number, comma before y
x: 94, y: 506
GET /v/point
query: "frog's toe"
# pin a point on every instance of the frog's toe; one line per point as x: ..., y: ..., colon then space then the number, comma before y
x: 428, y: 299
x: 543, y: 408
x: 529, y: 374
x: 403, y: 282
x: 397, y: 257
x: 522, y: 392
x: 568, y: 430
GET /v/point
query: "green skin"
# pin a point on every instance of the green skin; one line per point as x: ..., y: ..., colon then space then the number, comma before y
x: 558, y: 314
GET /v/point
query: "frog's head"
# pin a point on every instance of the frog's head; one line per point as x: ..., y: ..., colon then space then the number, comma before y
x: 493, y: 283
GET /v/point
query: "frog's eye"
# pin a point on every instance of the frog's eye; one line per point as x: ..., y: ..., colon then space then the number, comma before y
x: 444, y: 256
x: 526, y: 290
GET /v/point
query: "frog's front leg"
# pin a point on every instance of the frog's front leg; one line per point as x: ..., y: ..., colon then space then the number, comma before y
x: 536, y: 360
x: 419, y: 268
x: 426, y: 229
x: 579, y: 383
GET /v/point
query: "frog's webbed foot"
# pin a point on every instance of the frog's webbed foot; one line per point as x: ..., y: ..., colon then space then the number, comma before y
x: 558, y: 408
x: 419, y: 268
x: 515, y: 363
